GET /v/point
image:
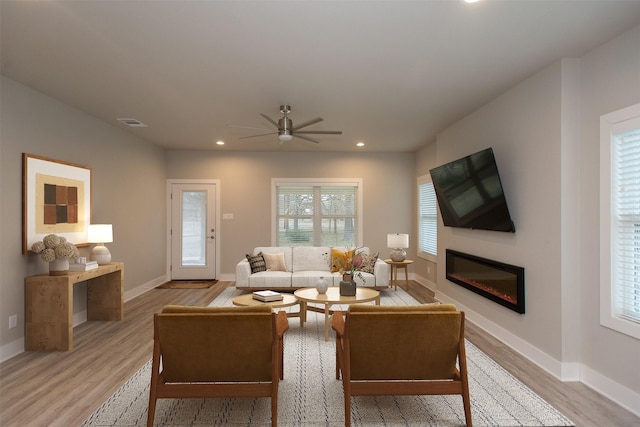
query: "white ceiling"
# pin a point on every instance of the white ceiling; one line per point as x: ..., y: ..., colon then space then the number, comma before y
x: 391, y: 74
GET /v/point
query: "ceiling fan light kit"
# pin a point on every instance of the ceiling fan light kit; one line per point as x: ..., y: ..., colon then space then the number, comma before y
x: 286, y: 130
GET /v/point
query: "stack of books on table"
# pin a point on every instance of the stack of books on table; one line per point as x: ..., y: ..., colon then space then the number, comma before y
x: 267, y: 296
x: 89, y: 265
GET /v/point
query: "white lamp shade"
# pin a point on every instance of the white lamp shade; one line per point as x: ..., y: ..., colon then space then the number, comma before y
x: 100, y: 233
x: 395, y: 240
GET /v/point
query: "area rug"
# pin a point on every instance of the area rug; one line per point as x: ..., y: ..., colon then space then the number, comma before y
x: 188, y: 284
x: 310, y: 395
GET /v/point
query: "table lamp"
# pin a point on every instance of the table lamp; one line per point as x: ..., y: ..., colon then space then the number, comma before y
x: 100, y: 234
x: 397, y: 242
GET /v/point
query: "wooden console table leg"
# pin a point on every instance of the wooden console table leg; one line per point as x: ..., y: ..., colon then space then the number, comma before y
x: 105, y: 297
x: 48, y: 313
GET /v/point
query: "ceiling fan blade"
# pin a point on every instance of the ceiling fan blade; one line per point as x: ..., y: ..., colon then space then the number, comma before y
x: 305, y: 138
x: 246, y: 127
x: 262, y: 134
x: 309, y: 123
x: 273, y: 122
x: 321, y: 132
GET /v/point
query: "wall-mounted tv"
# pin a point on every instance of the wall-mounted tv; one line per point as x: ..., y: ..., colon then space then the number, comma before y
x: 470, y: 195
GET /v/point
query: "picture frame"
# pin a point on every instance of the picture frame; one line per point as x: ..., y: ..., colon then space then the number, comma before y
x: 56, y: 199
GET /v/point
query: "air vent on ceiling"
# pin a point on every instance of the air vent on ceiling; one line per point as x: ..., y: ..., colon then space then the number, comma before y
x: 134, y: 123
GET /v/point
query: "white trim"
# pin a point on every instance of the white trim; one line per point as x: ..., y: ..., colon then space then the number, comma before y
x: 565, y: 372
x: 16, y: 347
x: 617, y: 392
x: 423, y: 179
x: 607, y: 318
x: 358, y: 182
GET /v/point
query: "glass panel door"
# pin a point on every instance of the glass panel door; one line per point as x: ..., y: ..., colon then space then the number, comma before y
x: 193, y: 232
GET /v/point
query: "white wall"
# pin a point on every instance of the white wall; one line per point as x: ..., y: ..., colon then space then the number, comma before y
x: 128, y: 190
x: 545, y: 134
x: 523, y: 127
x: 610, y: 81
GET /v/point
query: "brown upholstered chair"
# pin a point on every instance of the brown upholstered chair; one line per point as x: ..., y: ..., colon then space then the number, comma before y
x: 401, y: 350
x: 201, y: 352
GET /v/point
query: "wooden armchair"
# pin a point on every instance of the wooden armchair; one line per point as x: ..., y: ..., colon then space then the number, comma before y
x: 201, y: 352
x: 401, y: 350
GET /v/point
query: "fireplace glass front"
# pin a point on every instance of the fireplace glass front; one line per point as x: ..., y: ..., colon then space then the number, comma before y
x: 499, y: 282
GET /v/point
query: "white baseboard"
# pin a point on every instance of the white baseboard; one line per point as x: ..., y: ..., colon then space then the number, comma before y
x: 16, y: 347
x: 145, y: 287
x: 564, y: 372
x: 620, y: 394
x: 11, y: 349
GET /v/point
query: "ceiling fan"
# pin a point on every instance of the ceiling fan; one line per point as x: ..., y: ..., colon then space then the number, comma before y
x: 286, y: 130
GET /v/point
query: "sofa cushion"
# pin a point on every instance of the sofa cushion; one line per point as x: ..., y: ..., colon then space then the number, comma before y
x: 286, y: 250
x: 257, y: 263
x: 368, y: 262
x: 341, y: 259
x: 270, y: 280
x: 275, y: 262
x: 311, y: 258
x: 309, y: 278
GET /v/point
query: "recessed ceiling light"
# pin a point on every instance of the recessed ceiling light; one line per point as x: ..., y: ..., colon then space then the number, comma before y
x: 471, y: 1
x: 134, y: 123
x: 220, y: 142
x: 360, y: 144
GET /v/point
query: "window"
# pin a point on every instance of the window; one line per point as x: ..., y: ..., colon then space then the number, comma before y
x: 427, y: 219
x: 318, y: 212
x: 620, y: 221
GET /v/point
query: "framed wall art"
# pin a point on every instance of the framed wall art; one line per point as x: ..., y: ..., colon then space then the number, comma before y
x: 56, y: 199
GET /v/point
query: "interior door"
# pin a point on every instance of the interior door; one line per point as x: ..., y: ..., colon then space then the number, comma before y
x: 193, y: 233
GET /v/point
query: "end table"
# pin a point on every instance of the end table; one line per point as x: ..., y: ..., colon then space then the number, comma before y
x: 395, y: 265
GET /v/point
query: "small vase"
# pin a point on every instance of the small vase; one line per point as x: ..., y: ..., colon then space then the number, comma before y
x: 322, y: 286
x: 347, y: 286
x: 58, y: 267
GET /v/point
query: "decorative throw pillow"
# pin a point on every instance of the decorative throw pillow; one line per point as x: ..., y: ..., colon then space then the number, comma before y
x: 341, y: 259
x: 257, y: 263
x: 368, y: 263
x: 275, y: 262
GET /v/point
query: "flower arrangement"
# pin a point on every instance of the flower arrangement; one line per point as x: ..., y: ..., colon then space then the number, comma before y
x: 349, y: 264
x: 53, y: 247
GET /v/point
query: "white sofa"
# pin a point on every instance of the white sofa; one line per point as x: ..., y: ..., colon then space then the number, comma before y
x: 305, y: 265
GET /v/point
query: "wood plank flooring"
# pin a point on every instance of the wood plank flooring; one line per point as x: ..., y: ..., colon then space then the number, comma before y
x: 64, y: 388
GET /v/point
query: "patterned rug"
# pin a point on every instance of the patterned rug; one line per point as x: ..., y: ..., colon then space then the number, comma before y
x: 310, y: 395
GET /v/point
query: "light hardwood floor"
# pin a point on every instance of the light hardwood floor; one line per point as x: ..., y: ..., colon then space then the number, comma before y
x: 64, y: 388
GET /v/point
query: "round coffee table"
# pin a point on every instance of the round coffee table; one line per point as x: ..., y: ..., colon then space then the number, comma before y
x: 287, y: 300
x: 332, y: 297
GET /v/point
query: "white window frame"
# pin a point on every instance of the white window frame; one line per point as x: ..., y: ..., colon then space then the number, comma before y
x: 422, y: 180
x: 610, y: 125
x: 312, y: 182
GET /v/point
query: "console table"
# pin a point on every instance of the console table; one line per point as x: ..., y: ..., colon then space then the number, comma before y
x: 49, y: 304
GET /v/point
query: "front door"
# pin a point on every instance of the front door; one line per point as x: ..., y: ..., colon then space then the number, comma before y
x: 193, y: 232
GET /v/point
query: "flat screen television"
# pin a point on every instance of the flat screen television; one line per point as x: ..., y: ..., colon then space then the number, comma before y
x: 470, y: 195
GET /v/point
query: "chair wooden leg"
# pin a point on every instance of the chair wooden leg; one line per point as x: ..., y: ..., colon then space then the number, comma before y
x: 337, y: 358
x: 151, y: 412
x: 281, y: 358
x: 347, y: 405
x: 274, y: 408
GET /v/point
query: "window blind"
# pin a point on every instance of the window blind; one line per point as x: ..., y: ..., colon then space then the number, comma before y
x: 427, y: 218
x: 626, y: 224
x: 318, y: 215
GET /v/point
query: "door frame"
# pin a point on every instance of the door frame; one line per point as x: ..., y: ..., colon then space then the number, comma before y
x: 170, y: 183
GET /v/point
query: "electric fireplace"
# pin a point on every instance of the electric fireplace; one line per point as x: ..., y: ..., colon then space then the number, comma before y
x: 499, y: 282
